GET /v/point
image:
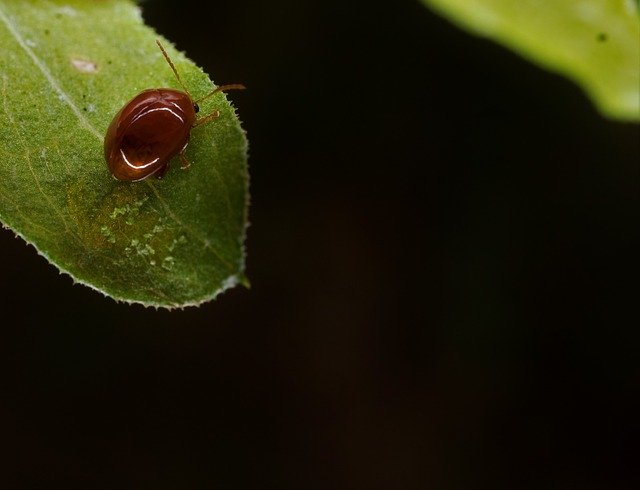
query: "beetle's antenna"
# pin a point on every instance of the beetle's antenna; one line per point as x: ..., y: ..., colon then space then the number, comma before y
x: 173, y: 67
x: 222, y: 88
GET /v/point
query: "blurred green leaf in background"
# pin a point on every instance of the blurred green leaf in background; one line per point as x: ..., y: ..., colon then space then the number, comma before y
x: 596, y: 43
x: 66, y: 68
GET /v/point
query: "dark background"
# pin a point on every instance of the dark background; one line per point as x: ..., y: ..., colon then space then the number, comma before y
x: 443, y: 254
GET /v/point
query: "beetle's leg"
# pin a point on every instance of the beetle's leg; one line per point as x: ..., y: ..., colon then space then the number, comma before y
x: 158, y: 174
x: 206, y: 119
x: 183, y: 159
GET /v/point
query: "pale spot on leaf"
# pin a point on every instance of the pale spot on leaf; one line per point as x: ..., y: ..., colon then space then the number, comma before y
x: 84, y: 66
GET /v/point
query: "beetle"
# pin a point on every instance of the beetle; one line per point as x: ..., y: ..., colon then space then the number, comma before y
x: 154, y: 127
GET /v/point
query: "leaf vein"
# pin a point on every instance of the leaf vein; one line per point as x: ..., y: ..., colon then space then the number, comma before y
x: 43, y: 69
x: 193, y: 232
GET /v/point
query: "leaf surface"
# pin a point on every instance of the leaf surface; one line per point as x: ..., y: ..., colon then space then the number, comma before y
x: 594, y: 42
x: 66, y: 68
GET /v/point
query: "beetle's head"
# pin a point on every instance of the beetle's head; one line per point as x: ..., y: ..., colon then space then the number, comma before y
x: 196, y: 108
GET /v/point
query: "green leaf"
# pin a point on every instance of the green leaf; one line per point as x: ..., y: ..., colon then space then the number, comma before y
x: 66, y: 68
x: 594, y: 42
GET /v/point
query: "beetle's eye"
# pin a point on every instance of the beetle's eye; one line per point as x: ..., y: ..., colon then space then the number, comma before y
x: 196, y: 108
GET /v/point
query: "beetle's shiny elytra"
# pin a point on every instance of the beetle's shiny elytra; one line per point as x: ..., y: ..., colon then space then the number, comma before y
x: 152, y: 128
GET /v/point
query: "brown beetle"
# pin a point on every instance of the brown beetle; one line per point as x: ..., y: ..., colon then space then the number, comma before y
x: 152, y: 128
